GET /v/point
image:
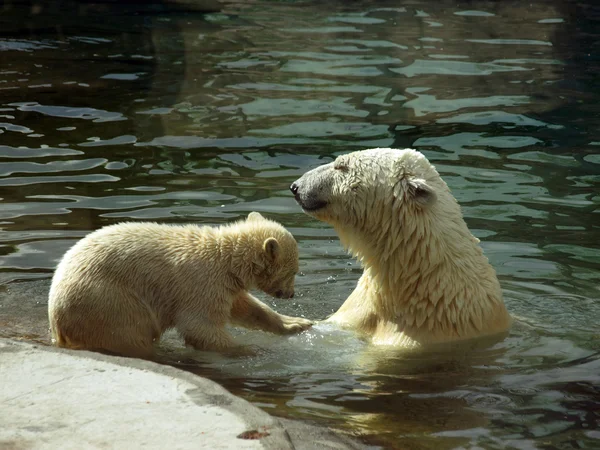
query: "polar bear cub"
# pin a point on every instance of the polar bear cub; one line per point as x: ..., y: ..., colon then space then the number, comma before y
x: 121, y: 287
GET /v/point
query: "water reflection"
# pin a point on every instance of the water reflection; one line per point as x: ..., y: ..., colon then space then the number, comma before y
x: 159, y: 111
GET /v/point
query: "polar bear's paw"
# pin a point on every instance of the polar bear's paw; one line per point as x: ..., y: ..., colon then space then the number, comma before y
x: 292, y: 325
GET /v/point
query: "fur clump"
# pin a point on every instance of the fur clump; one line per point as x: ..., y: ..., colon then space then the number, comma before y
x: 121, y: 287
x: 426, y: 279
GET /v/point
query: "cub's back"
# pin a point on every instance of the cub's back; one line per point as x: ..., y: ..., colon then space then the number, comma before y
x: 122, y: 249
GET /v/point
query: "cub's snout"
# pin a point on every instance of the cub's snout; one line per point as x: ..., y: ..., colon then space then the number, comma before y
x: 284, y: 294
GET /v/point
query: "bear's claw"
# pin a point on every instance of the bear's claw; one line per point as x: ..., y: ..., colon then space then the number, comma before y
x: 291, y: 325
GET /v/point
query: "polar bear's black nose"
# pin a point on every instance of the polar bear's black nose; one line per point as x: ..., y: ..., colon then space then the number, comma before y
x: 282, y: 294
x: 294, y: 188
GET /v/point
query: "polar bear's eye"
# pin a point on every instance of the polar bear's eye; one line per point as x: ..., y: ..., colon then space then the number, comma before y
x: 341, y: 166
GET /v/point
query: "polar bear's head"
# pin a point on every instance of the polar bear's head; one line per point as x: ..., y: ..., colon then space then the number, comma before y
x: 276, y: 263
x: 379, y: 192
x: 358, y: 188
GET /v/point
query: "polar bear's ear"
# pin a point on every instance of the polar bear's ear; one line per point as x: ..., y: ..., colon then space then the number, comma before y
x: 255, y: 216
x: 421, y: 192
x: 271, y: 248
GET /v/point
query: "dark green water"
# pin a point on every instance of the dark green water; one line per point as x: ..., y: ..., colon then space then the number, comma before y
x: 112, y: 113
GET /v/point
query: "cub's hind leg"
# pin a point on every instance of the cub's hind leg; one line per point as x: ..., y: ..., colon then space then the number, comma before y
x: 125, y: 325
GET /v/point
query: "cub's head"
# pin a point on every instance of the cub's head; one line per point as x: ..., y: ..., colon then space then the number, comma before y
x: 277, y: 260
x: 374, y: 191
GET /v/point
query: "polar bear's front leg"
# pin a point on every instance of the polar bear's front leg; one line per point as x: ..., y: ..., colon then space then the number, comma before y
x: 204, y: 334
x: 250, y: 312
x: 211, y: 338
x: 356, y: 312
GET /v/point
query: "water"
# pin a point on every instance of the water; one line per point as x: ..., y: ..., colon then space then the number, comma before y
x: 112, y: 113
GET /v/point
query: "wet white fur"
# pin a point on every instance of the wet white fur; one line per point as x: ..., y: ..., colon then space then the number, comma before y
x: 122, y: 286
x: 426, y: 279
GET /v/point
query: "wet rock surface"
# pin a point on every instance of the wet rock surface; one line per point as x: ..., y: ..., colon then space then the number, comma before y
x: 55, y: 398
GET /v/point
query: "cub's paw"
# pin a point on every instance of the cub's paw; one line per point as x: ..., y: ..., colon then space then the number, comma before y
x: 291, y: 325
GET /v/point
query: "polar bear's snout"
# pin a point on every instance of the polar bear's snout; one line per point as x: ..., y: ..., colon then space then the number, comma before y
x: 284, y: 294
x: 294, y: 188
x: 312, y: 189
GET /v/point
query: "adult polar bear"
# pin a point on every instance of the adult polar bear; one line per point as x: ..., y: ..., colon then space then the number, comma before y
x: 426, y: 280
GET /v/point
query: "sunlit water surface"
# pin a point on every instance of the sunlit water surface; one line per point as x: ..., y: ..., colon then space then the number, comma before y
x: 164, y: 113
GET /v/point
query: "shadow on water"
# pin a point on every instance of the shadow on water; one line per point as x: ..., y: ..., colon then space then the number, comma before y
x: 113, y: 111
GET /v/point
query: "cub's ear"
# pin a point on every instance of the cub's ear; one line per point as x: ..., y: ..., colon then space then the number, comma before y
x: 271, y: 248
x: 421, y: 193
x: 255, y: 216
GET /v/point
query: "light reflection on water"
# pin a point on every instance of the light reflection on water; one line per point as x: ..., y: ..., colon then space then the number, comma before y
x: 172, y: 115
